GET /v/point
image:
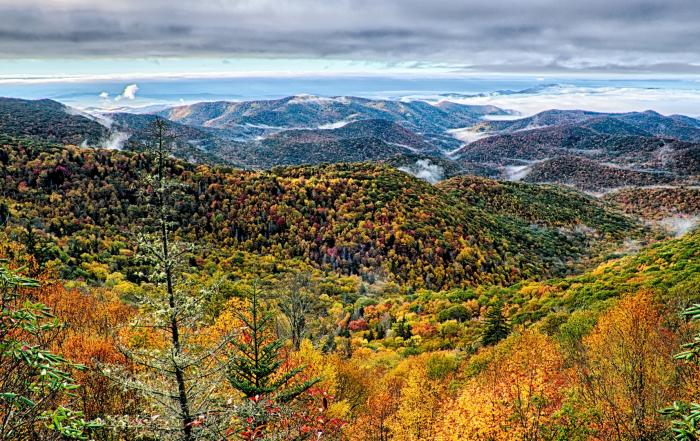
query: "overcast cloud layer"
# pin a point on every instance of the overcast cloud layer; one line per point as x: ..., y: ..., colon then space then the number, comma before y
x: 482, y: 35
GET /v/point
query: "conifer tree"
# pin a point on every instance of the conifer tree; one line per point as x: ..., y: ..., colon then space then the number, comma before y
x: 255, y: 369
x: 4, y: 213
x: 403, y: 329
x: 496, y: 326
x: 255, y: 364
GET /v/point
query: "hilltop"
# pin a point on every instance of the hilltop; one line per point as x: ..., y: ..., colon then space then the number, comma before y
x: 353, y: 218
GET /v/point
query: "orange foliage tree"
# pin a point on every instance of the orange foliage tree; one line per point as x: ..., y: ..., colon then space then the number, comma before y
x: 89, y: 339
x: 627, y: 371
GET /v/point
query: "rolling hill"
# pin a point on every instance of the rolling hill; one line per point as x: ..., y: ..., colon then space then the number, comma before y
x: 546, y: 205
x: 658, y: 202
x: 352, y: 218
x: 647, y: 123
x: 594, y: 176
x: 364, y: 140
x: 593, y: 152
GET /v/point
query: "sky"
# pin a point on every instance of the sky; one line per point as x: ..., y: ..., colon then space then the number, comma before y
x: 508, y: 36
x: 60, y: 47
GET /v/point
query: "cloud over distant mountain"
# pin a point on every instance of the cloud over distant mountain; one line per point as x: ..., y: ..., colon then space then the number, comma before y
x: 129, y: 92
x: 493, y: 35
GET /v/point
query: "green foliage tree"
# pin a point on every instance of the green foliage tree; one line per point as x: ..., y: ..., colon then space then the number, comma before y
x: 33, y: 245
x: 496, y: 328
x: 33, y: 380
x: 456, y: 312
x: 686, y: 416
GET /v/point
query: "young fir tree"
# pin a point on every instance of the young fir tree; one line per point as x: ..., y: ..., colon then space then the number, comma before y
x: 255, y: 364
x: 33, y: 380
x: 179, y: 376
x: 256, y: 370
x: 4, y: 213
x: 403, y: 329
x: 496, y: 326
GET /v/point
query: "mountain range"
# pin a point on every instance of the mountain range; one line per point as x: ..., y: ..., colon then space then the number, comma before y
x: 591, y: 151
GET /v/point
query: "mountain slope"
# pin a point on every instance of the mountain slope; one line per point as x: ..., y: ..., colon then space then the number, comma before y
x: 658, y: 202
x: 193, y: 144
x: 546, y: 118
x: 364, y: 140
x: 281, y: 151
x: 48, y: 120
x: 591, y: 175
x: 355, y: 219
x: 651, y: 153
x: 665, y: 126
x: 547, y: 205
x: 648, y: 123
x: 670, y: 268
x: 597, y: 153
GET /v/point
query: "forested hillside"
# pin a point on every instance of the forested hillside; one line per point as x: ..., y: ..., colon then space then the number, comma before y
x: 356, y: 219
x: 48, y: 120
x: 657, y: 203
x: 547, y: 205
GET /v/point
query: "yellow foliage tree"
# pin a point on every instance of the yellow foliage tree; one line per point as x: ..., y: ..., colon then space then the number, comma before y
x: 420, y: 403
x: 514, y: 397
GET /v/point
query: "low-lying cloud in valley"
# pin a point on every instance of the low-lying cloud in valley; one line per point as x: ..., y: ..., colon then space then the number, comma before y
x: 425, y: 169
x: 680, y: 225
x: 115, y: 141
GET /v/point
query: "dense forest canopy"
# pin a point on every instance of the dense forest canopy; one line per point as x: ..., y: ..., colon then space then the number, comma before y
x: 358, y: 219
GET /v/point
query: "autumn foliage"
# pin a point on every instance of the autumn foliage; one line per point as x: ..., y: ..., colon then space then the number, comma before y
x: 393, y: 309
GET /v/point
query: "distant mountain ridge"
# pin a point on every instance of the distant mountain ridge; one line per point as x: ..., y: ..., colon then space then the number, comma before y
x: 49, y: 120
x: 647, y: 123
x: 357, y: 141
x: 590, y: 150
x: 313, y: 112
x: 593, y: 151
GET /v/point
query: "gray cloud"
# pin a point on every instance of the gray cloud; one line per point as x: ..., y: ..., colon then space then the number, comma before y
x: 496, y: 35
